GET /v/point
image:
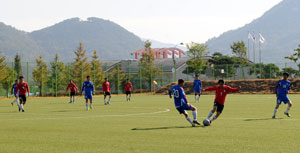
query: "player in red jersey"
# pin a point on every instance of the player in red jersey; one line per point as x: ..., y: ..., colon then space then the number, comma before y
x: 73, y: 88
x: 128, y: 89
x: 106, y: 91
x: 221, y: 91
x: 22, y: 89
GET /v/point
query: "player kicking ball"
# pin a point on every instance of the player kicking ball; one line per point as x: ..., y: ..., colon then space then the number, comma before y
x: 22, y: 89
x: 282, y: 89
x: 221, y: 92
x: 181, y: 102
x: 73, y: 88
x: 197, y: 88
x: 13, y: 92
x: 89, y: 90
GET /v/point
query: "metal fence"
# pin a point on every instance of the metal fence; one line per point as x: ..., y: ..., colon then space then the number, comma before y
x: 55, y: 81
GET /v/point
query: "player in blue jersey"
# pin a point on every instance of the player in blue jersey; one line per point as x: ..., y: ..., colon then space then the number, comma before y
x: 197, y: 88
x: 282, y: 89
x: 181, y: 102
x: 13, y: 90
x: 89, y: 90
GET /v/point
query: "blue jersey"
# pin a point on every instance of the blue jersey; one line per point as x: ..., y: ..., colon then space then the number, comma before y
x: 197, y: 85
x: 14, y: 88
x: 179, y: 96
x: 88, y: 88
x: 283, y: 87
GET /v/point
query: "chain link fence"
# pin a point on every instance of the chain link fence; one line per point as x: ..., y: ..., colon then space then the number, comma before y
x: 52, y: 79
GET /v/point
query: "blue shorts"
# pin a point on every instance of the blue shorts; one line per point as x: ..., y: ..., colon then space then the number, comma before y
x: 197, y: 90
x: 89, y: 97
x: 181, y: 109
x: 283, y: 99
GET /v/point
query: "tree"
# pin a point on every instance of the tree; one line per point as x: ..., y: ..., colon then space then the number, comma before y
x: 40, y: 74
x: 58, y: 79
x: 196, y: 64
x: 18, y: 65
x: 6, y: 73
x: 116, y: 77
x: 147, y: 68
x: 293, y: 72
x: 239, y: 49
x: 2, y: 67
x: 266, y: 71
x: 80, y: 67
x: 96, y: 70
x: 295, y: 57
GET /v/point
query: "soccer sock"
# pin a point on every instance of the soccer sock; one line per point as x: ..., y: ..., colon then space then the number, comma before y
x: 209, y: 115
x: 71, y: 99
x: 214, y: 118
x: 21, y: 106
x: 189, y: 119
x: 195, y: 98
x: 108, y: 100
x: 17, y: 101
x: 91, y: 104
x: 195, y: 115
x: 87, y: 105
x: 275, y: 111
x: 198, y: 98
x: 126, y: 98
x: 104, y: 101
x: 288, y: 109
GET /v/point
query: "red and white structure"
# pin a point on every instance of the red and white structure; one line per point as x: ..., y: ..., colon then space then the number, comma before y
x: 160, y: 52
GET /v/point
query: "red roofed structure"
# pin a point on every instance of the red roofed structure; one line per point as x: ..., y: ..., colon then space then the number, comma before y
x: 160, y: 52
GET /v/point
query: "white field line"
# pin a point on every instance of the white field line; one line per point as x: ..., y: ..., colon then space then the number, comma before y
x: 95, y: 116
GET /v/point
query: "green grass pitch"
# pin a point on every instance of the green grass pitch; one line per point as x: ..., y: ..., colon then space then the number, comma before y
x: 148, y: 124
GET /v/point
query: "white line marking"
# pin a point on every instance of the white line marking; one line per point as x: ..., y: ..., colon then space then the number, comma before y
x: 95, y: 116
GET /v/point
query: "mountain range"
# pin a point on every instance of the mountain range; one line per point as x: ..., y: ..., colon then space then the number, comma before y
x: 279, y: 26
x: 110, y: 40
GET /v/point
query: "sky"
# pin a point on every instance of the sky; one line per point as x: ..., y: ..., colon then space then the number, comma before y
x: 170, y: 21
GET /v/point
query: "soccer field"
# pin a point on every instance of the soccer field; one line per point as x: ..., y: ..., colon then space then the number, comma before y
x: 148, y: 124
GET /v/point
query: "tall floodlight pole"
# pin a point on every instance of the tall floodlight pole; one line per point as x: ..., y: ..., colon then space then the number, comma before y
x: 174, y: 60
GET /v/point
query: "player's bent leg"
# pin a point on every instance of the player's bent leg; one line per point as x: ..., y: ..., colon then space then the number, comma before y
x: 194, y: 111
x: 188, y: 118
x: 216, y: 116
x: 288, y: 109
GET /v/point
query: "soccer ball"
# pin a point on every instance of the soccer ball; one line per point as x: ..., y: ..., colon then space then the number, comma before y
x: 206, y: 122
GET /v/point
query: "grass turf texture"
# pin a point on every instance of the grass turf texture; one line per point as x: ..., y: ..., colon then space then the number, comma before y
x: 144, y: 125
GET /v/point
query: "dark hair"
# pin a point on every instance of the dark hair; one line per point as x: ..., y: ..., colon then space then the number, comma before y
x: 221, y: 81
x: 105, y: 78
x: 88, y: 76
x: 21, y: 77
x: 180, y: 81
x: 16, y: 80
x: 287, y: 74
x: 196, y: 75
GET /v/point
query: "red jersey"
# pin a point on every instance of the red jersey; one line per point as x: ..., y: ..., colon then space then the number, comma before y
x: 72, y: 87
x: 106, y: 87
x: 22, y: 88
x: 128, y: 86
x: 221, y: 93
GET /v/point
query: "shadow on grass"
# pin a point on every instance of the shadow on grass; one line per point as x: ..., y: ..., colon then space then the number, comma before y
x: 262, y: 119
x: 166, y: 128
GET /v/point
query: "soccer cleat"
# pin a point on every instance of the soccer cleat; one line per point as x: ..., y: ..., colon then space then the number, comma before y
x: 70, y: 102
x: 287, y: 114
x: 23, y: 110
x: 196, y: 122
x: 193, y: 125
x: 12, y: 104
x: 273, y: 116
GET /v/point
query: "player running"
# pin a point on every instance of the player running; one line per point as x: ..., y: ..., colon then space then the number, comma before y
x: 22, y: 89
x: 197, y: 88
x: 282, y: 89
x: 106, y: 91
x: 13, y: 92
x: 73, y: 88
x: 221, y: 92
x: 181, y: 102
x: 89, y: 90
x: 128, y: 89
